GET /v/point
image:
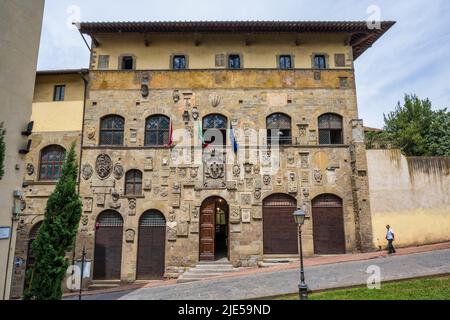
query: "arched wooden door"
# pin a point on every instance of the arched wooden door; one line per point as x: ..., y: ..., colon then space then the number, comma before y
x: 328, y: 225
x: 151, y: 246
x: 280, y: 232
x: 108, y: 246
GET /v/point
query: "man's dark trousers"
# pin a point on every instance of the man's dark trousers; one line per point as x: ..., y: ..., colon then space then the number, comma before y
x: 391, y: 246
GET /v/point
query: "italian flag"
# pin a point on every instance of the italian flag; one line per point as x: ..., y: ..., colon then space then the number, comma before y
x: 170, y: 135
x: 201, y: 137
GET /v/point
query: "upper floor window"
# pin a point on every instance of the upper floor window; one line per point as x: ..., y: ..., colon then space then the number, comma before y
x: 320, y: 61
x: 179, y: 62
x: 133, y: 183
x: 157, y: 131
x: 285, y: 62
x: 127, y: 63
x: 234, y: 61
x: 59, y: 92
x: 279, y: 128
x: 215, y: 129
x: 330, y: 129
x: 111, y: 130
x: 51, y: 163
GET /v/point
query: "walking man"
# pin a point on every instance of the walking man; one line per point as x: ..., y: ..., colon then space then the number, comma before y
x: 390, y: 238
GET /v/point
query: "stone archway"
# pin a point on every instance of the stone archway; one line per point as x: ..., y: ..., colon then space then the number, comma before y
x: 214, y: 229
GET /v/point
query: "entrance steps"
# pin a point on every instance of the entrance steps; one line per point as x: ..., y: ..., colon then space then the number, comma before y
x: 277, y: 260
x: 104, y: 284
x: 204, y: 270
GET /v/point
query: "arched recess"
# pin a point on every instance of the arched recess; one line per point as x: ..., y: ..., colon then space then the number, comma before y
x: 151, y: 246
x: 280, y: 232
x: 328, y: 225
x: 30, y: 256
x: 108, y: 246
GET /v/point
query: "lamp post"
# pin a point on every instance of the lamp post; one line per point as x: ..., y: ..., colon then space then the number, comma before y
x: 299, y: 217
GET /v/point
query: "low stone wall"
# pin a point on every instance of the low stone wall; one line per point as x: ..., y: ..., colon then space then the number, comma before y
x: 410, y: 194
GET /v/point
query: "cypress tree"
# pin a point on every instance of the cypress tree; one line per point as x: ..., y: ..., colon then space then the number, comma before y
x: 56, y: 236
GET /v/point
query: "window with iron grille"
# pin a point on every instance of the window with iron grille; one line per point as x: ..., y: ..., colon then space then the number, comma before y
x: 327, y: 201
x: 285, y: 62
x: 330, y: 129
x: 157, y: 131
x: 109, y: 218
x: 320, y: 61
x: 133, y: 183
x: 234, y: 61
x: 51, y: 163
x: 111, y: 131
x: 152, y: 218
x: 279, y: 129
x: 179, y: 62
x: 215, y: 129
x: 59, y: 93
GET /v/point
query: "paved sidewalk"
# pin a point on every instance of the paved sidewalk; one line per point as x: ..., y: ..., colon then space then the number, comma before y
x: 321, y: 272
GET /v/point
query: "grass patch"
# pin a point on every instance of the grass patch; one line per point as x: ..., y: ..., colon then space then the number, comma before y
x: 418, y: 289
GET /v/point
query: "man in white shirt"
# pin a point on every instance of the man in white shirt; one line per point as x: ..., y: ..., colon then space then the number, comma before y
x: 390, y: 238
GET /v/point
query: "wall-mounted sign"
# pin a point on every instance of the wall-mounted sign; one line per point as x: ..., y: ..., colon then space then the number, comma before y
x: 5, y: 233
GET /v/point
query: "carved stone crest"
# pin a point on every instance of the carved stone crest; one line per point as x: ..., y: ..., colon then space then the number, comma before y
x: 195, y: 113
x: 172, y: 216
x: 318, y: 176
x: 215, y: 170
x: 103, y: 166
x: 236, y: 170
x: 194, y: 173
x: 87, y: 171
x: 30, y: 169
x: 267, y: 179
x: 85, y: 220
x: 257, y: 194
x: 172, y: 234
x: 176, y: 96
x: 118, y: 171
x: 306, y: 193
x: 145, y: 91
x: 235, y: 215
x: 215, y: 100
x: 90, y: 133
x: 130, y: 235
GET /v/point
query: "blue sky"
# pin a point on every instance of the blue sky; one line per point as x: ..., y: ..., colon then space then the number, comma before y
x: 413, y: 57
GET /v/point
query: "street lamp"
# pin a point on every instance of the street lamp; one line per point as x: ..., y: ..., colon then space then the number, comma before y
x: 299, y: 217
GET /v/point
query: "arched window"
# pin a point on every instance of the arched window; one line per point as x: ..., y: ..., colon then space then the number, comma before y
x: 215, y: 129
x: 31, y: 259
x: 157, y: 131
x: 133, y: 182
x: 51, y: 163
x: 111, y: 130
x: 279, y: 128
x: 330, y: 129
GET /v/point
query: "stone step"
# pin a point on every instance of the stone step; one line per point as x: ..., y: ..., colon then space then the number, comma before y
x: 182, y: 280
x: 212, y: 270
x: 190, y: 275
x: 215, y: 266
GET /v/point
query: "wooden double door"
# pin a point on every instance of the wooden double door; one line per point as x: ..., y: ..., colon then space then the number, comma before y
x: 280, y: 232
x: 108, y: 246
x: 151, y: 246
x: 328, y: 225
x: 214, y: 231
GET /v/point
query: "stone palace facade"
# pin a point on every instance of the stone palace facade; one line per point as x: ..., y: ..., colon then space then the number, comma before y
x: 198, y: 140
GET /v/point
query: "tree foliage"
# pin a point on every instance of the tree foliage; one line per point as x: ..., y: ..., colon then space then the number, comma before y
x: 56, y: 236
x: 418, y: 130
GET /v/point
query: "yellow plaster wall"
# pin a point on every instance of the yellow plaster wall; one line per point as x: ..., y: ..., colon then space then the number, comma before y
x: 45, y: 85
x: 53, y: 116
x: 260, y: 53
x: 414, y: 199
x: 57, y: 116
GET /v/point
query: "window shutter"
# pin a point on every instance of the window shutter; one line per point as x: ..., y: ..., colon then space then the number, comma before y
x: 103, y: 62
x: 220, y: 60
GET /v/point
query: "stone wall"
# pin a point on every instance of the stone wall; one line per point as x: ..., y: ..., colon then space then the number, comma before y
x: 36, y: 194
x: 410, y: 194
x: 177, y: 190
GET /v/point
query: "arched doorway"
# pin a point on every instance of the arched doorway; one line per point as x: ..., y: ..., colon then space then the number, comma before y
x: 280, y: 232
x: 30, y: 256
x: 151, y: 246
x: 328, y: 225
x: 214, y: 231
x: 108, y: 246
